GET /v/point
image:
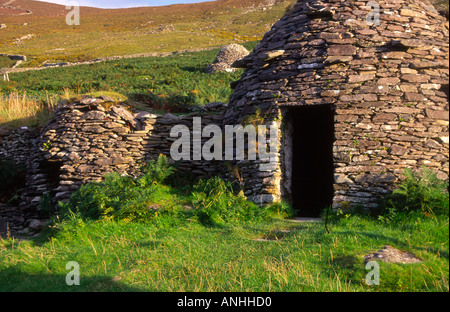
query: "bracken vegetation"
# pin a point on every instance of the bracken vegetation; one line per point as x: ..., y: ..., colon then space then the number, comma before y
x: 156, y: 232
x: 148, y: 199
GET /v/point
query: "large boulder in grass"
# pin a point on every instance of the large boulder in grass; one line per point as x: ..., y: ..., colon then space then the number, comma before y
x: 227, y: 56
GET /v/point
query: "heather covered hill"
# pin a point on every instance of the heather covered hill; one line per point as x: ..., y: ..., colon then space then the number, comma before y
x: 43, y: 34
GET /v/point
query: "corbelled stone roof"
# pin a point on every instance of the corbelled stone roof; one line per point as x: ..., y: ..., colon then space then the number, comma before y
x: 384, y: 73
x: 335, y: 51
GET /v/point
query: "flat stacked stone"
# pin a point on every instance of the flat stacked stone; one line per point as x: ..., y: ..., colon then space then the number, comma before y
x: 17, y: 145
x: 92, y: 137
x: 387, y: 81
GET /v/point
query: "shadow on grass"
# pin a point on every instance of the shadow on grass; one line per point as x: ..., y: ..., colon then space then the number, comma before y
x: 14, y: 280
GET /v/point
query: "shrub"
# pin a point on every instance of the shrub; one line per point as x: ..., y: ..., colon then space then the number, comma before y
x: 147, y: 198
x: 156, y: 171
x: 418, y: 192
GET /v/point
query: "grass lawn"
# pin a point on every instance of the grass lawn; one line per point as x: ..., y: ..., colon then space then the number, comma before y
x: 119, y: 256
x: 206, y: 238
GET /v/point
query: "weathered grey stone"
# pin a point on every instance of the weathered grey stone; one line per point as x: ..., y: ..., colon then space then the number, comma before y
x: 437, y: 114
x: 94, y: 115
x: 36, y: 225
x: 384, y: 84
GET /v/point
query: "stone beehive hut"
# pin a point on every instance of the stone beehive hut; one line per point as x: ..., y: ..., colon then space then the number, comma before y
x: 359, y: 93
x: 226, y: 57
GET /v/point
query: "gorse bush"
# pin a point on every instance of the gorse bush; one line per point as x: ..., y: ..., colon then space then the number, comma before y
x: 419, y: 192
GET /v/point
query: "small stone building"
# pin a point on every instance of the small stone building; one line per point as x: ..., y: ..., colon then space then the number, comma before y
x: 359, y: 91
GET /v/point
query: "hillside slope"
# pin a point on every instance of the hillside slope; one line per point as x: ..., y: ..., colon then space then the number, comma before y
x: 39, y: 29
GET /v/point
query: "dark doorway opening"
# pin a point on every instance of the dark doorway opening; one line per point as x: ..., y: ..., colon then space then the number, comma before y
x: 52, y: 173
x: 312, y: 162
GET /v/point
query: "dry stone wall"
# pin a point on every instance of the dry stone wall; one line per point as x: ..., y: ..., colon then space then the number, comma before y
x: 18, y: 145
